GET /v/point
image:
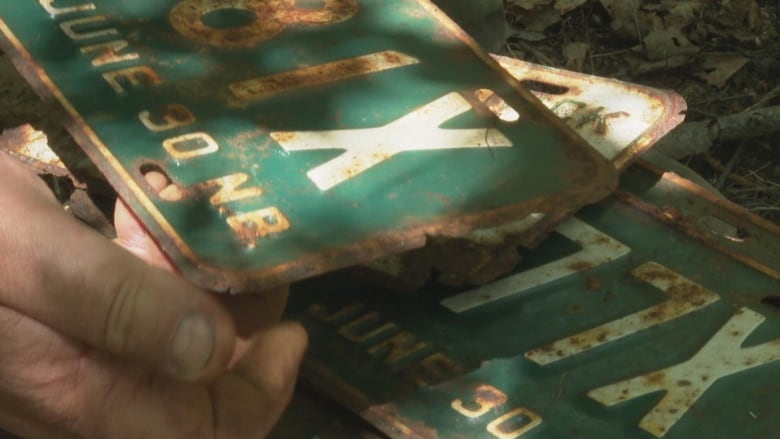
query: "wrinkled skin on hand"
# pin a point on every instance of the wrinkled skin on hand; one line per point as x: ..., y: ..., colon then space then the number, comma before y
x: 97, y: 343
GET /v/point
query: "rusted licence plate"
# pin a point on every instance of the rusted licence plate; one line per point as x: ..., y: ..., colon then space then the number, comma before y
x: 298, y: 136
x: 652, y: 314
x: 619, y: 119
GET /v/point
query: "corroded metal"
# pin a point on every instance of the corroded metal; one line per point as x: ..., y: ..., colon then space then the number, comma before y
x: 32, y: 147
x: 297, y: 138
x: 621, y: 121
x: 640, y: 317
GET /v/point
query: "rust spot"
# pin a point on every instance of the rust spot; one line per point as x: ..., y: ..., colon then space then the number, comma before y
x: 671, y: 213
x: 392, y: 57
x: 264, y: 86
x: 381, y: 156
x: 651, y: 275
x: 284, y: 137
x: 580, y: 266
x: 655, y: 378
x: 602, y: 240
x: 592, y: 283
x: 489, y: 395
x: 655, y: 315
x: 388, y: 419
x: 545, y: 348
x: 246, y: 232
x: 32, y: 147
x: 689, y: 294
x: 249, y: 227
x: 497, y: 105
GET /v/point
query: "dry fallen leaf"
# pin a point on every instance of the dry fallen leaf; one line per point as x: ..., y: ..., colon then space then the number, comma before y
x: 739, y: 13
x: 564, y: 6
x: 529, y: 36
x: 668, y: 43
x: 539, y: 20
x: 640, y: 66
x: 575, y: 54
x: 529, y: 5
x: 717, y: 68
x: 681, y: 14
x: 628, y: 20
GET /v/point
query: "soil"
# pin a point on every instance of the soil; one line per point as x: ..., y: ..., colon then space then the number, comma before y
x: 723, y: 57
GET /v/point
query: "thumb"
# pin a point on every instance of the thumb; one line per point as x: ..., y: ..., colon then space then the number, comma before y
x: 68, y: 277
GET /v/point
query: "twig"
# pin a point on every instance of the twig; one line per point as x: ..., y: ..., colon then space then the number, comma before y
x: 536, y: 52
x: 775, y: 92
x: 724, y: 99
x: 587, y: 41
x: 511, y: 52
x: 615, y: 53
x: 698, y: 137
x: 638, y: 27
x: 730, y: 166
x: 718, y: 166
x: 765, y: 209
x: 754, y: 190
x: 762, y: 179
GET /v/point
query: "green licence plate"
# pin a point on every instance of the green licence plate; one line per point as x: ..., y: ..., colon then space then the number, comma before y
x: 654, y: 313
x: 298, y: 136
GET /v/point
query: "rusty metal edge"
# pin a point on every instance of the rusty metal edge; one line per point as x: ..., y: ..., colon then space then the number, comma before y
x: 679, y: 222
x: 11, y: 142
x: 383, y: 417
x: 674, y: 106
x: 541, y: 110
x: 603, y: 181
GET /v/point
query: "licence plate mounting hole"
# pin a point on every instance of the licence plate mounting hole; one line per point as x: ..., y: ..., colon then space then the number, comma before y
x: 773, y: 301
x: 229, y: 18
x: 161, y: 182
x: 544, y: 87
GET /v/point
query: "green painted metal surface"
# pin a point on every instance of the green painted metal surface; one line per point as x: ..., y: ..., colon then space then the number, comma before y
x: 635, y: 319
x: 312, y: 416
x: 298, y: 137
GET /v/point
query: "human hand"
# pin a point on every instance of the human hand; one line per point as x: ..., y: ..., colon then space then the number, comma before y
x: 96, y: 343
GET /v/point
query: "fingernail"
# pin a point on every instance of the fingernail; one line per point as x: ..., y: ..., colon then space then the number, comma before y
x: 192, y: 346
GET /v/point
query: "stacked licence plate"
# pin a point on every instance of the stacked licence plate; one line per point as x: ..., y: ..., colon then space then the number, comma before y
x: 341, y: 131
x: 654, y: 313
x: 298, y: 137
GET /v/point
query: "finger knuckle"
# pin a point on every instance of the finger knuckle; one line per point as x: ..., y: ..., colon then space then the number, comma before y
x: 119, y: 329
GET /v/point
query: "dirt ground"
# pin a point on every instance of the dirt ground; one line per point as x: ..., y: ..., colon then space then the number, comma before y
x: 722, y: 56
